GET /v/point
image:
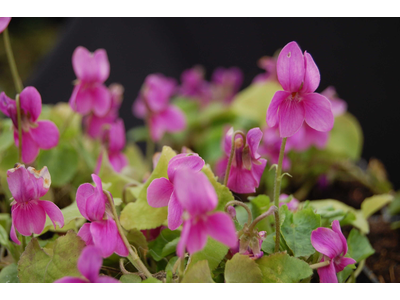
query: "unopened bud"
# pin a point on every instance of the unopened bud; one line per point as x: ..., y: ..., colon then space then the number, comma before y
x: 232, y: 212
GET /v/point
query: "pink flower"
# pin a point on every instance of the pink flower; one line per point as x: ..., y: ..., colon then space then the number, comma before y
x: 339, y: 106
x: 307, y: 137
x: 153, y: 104
x: 27, y: 211
x: 89, y: 264
x: 255, y: 252
x: 4, y: 21
x: 90, y: 94
x: 161, y: 191
x: 299, y: 77
x: 226, y: 83
x: 35, y: 134
x: 247, y: 165
x: 292, y: 205
x: 198, y: 199
x: 102, y: 231
x: 333, y: 245
x: 114, y: 140
x: 194, y: 86
x: 94, y: 124
x: 269, y: 65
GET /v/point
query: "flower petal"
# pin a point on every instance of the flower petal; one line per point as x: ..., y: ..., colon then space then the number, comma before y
x: 221, y: 228
x: 41, y: 180
x: 95, y: 207
x: 85, y: 234
x: 344, y: 261
x: 173, y: 119
x: 107, y: 279
x: 53, y: 212
x: 118, y: 161
x: 116, y: 136
x: 327, y: 242
x: 31, y: 102
x: 184, y: 161
x: 291, y: 117
x: 30, y: 149
x: 102, y: 65
x: 175, y: 211
x: 253, y: 138
x: 95, y: 125
x: 46, y: 134
x: 20, y: 184
x: 81, y: 99
x: 159, y: 192
x: 220, y: 167
x: 318, y: 112
x: 13, y: 234
x: 84, y: 64
x: 273, y: 108
x: 312, y: 76
x: 69, y: 279
x: 290, y: 67
x: 104, y: 235
x: 120, y: 247
x: 258, y: 170
x: 158, y: 90
x: 29, y: 217
x: 336, y: 228
x: 227, y: 141
x: 327, y: 274
x: 181, y: 247
x: 101, y: 100
x: 197, y: 238
x: 242, y: 181
x: 8, y: 107
x: 90, y: 262
x: 82, y: 194
x: 4, y: 21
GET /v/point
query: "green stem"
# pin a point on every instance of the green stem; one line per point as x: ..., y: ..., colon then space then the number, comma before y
x: 232, y: 154
x: 277, y: 191
x: 134, y: 258
x: 269, y: 212
x: 320, y: 264
x: 181, y: 268
x: 235, y: 202
x: 11, y: 62
x: 19, y: 128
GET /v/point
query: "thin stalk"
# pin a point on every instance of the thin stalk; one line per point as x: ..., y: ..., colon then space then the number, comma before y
x: 269, y: 212
x: 11, y: 61
x: 320, y: 264
x: 181, y: 267
x: 19, y: 128
x: 232, y: 154
x: 235, y: 202
x: 134, y: 258
x: 277, y: 191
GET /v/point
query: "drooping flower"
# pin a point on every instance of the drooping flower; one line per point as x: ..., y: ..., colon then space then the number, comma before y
x: 161, y: 191
x: 307, y: 137
x: 114, y: 140
x: 153, y: 104
x: 333, y: 245
x: 90, y: 94
x: 339, y: 106
x: 89, y: 264
x: 35, y: 134
x: 102, y: 231
x: 4, y: 21
x: 226, y: 83
x: 299, y: 77
x: 247, y: 165
x: 292, y: 205
x: 28, y: 213
x: 195, y: 86
x: 94, y: 124
x: 269, y: 65
x: 253, y: 247
x: 198, y: 199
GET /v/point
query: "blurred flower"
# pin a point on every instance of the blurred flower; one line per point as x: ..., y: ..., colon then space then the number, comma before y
x: 194, y: 86
x: 333, y: 245
x: 89, y: 264
x: 339, y: 106
x: 269, y: 65
x: 161, y: 191
x: 102, y: 231
x: 198, y: 199
x: 226, y: 83
x: 271, y: 146
x: 4, y: 21
x: 307, y: 137
x: 253, y: 246
x: 292, y: 205
x: 27, y: 211
x: 35, y: 134
x: 153, y: 105
x: 90, y: 94
x: 299, y: 77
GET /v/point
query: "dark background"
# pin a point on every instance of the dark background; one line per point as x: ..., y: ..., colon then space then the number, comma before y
x: 359, y: 56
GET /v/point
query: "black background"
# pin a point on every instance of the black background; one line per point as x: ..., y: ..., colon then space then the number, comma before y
x: 359, y: 56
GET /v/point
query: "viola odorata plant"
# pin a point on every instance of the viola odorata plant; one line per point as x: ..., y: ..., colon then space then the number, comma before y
x: 194, y: 86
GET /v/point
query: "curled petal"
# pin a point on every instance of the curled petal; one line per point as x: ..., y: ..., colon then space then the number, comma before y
x: 254, y: 137
x: 227, y: 141
x: 318, y: 112
x: 290, y: 67
x: 175, y: 211
x: 336, y: 228
x: 327, y: 274
x: 104, y: 235
x: 29, y: 217
x: 53, y: 212
x: 31, y: 102
x: 8, y: 107
x: 327, y: 242
x: 13, y: 234
x: 81, y: 99
x: 242, y: 181
x: 46, y: 134
x: 221, y: 228
x: 274, y: 107
x: 85, y: 234
x: 291, y: 117
x: 41, y: 180
x: 83, y: 193
x: 159, y: 192
x: 184, y: 161
x: 20, y: 183
x: 344, y: 261
x: 312, y: 76
x: 90, y: 262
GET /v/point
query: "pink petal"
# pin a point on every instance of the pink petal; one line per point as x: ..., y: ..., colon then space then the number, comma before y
x: 220, y: 167
x: 81, y: 99
x: 221, y: 228
x: 116, y: 134
x: 327, y: 242
x: 336, y: 228
x: 258, y: 170
x: 46, y: 134
x: 69, y: 279
x: 20, y: 183
x: 13, y: 234
x: 95, y: 207
x: 31, y: 102
x: 4, y: 21
x: 101, y: 100
x: 41, y: 180
x: 318, y: 112
x: 104, y: 234
x: 120, y: 247
x: 197, y: 238
x: 227, y: 141
x: 158, y: 90
x: 102, y: 65
x: 84, y: 65
x: 195, y: 192
x: 8, y: 107
x: 274, y: 107
x: 173, y: 119
x: 53, y: 212
x: 290, y: 67
x: 291, y: 117
x: 159, y: 192
x: 85, y: 234
x: 242, y: 181
x: 82, y: 194
x: 344, y: 261
x: 184, y: 161
x: 253, y: 138
x: 107, y: 279
x: 118, y: 160
x: 98, y: 163
x: 175, y: 211
x: 29, y: 217
x: 327, y: 274
x: 90, y: 262
x: 30, y: 149
x: 139, y: 108
x: 312, y: 76
x: 181, y: 247
x: 95, y: 125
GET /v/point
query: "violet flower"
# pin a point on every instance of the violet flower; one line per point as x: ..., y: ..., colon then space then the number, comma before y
x: 89, y: 264
x: 292, y: 205
x: 299, y: 77
x: 194, y: 86
x: 307, y: 137
x: 27, y: 211
x: 339, y: 106
x: 35, y: 134
x: 333, y: 245
x: 247, y: 165
x: 226, y: 83
x: 161, y: 191
x: 153, y: 105
x: 4, y: 21
x: 269, y: 65
x: 102, y: 231
x: 198, y: 199
x: 254, y: 250
x: 90, y: 94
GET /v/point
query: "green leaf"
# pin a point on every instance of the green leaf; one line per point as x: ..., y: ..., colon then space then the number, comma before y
x: 281, y: 267
x: 343, y: 275
x: 35, y: 265
x: 268, y: 245
x: 260, y: 205
x: 199, y: 273
x: 151, y: 280
x: 297, y: 228
x: 157, y: 246
x: 9, y: 274
x: 137, y: 163
x: 140, y: 214
x: 62, y: 162
x: 214, y: 252
x: 359, y: 246
x: 242, y: 268
x: 137, y: 239
x: 171, y: 264
x: 6, y: 138
x: 3, y: 236
x: 372, y: 204
x: 170, y: 247
x: 130, y: 278
x: 65, y: 119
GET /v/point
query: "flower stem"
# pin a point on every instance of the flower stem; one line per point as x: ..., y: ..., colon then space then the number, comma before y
x: 269, y: 212
x: 277, y: 191
x: 235, y: 202
x: 19, y: 128
x: 11, y: 62
x: 320, y: 264
x: 134, y: 258
x: 232, y: 154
